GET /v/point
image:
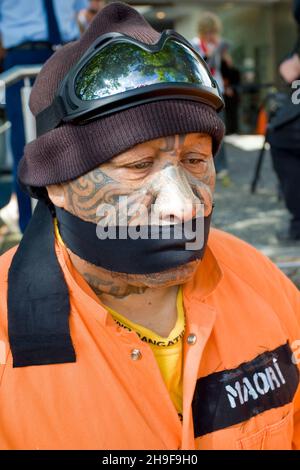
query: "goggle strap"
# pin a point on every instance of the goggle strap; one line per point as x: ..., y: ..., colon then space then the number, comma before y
x: 50, y: 117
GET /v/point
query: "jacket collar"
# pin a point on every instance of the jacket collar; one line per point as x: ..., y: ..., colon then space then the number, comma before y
x: 207, y: 277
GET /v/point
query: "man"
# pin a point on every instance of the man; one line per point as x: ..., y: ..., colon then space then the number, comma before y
x: 284, y: 137
x: 215, y: 51
x: 160, y: 341
x: 29, y: 32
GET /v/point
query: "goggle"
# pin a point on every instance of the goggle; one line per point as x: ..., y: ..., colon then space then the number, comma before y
x: 118, y: 72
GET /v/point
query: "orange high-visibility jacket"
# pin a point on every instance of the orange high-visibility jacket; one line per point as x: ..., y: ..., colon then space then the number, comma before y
x: 241, y: 380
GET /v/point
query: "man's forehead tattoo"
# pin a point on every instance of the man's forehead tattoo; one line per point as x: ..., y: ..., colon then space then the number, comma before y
x: 172, y: 143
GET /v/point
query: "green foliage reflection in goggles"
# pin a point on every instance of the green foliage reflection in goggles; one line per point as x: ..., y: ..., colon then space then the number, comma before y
x: 118, y: 72
x: 121, y: 67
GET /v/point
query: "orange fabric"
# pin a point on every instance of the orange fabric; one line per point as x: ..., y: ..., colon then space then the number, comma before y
x: 238, y: 305
x: 262, y: 122
x: 168, y: 351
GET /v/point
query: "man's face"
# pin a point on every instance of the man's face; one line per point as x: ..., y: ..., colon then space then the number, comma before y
x: 171, y: 176
x: 212, y: 38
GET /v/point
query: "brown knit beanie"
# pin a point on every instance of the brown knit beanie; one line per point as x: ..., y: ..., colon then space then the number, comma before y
x: 71, y: 150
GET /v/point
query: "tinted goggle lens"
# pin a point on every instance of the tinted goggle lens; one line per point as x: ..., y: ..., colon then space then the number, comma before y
x: 121, y: 67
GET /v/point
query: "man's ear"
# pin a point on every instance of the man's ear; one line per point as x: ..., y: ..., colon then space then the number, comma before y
x: 56, y: 194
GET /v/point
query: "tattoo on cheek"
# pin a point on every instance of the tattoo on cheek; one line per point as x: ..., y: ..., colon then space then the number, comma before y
x: 86, y: 193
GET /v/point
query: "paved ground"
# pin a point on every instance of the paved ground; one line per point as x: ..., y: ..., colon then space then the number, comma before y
x: 254, y: 218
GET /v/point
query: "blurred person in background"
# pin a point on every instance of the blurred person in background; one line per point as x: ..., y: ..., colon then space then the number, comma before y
x: 284, y: 138
x: 30, y: 32
x: 232, y: 79
x: 214, y: 49
x: 87, y: 15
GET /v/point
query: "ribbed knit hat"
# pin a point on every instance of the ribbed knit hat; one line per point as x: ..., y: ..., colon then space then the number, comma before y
x: 71, y: 150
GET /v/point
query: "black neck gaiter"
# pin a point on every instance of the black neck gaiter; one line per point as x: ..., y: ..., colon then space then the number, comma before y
x: 158, y: 248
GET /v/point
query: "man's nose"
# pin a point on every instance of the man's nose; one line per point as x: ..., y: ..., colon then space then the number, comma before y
x: 175, y: 200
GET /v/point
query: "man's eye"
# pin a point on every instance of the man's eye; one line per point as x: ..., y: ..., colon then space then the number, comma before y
x: 194, y: 161
x: 140, y: 165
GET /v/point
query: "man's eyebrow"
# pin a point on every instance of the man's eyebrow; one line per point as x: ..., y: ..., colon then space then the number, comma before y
x: 198, y: 147
x: 132, y: 155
